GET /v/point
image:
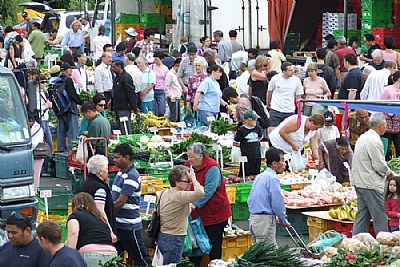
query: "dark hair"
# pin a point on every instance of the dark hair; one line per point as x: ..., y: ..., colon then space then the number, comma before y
x: 352, y: 40
x: 88, y: 106
x: 124, y: 150
x: 9, y: 29
x: 397, y: 180
x: 253, y: 51
x: 388, y: 41
x: 177, y: 54
x: 329, y: 37
x: 273, y: 155
x: 321, y: 53
x: 53, y: 31
x: 97, y: 98
x: 101, y: 30
x: 120, y: 47
x: 176, y: 174
x: 229, y: 93
x: 79, y: 54
x: 396, y: 76
x: 369, y: 37
x: 177, y: 61
x: 118, y: 63
x: 136, y: 51
x: 106, y: 46
x: 285, y: 65
x: 148, y: 33
x: 19, y: 38
x: 232, y: 33
x: 159, y: 54
x: 218, y: 33
x: 352, y: 59
x: 274, y: 45
x: 271, y: 74
x: 20, y: 220
x: 36, y: 24
x: 50, y: 231
x: 331, y: 43
x: 342, y: 141
x: 68, y: 58
x: 203, y: 39
x: 214, y: 67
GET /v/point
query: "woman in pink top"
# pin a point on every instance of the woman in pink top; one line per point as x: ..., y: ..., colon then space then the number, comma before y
x: 315, y: 87
x: 173, y: 91
x: 389, y: 54
x: 161, y: 72
x: 392, y: 92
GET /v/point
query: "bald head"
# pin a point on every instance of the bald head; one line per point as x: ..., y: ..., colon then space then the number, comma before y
x: 362, y: 116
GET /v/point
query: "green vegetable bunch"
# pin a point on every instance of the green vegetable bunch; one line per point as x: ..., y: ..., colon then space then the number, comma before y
x: 87, y: 95
x: 117, y: 261
x: 139, y: 126
x: 394, y: 164
x: 222, y: 126
x: 364, y: 257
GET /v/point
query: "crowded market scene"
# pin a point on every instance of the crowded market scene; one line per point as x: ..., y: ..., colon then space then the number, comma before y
x: 159, y: 133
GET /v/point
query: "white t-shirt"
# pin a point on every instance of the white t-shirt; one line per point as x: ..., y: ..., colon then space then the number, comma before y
x: 327, y: 133
x: 136, y: 75
x: 284, y: 92
x: 242, y: 83
x: 238, y: 58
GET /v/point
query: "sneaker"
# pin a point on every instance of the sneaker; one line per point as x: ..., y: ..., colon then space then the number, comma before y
x: 45, y: 175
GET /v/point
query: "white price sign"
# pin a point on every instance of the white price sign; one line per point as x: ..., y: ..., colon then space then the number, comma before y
x: 116, y: 132
x: 46, y: 193
x: 150, y: 198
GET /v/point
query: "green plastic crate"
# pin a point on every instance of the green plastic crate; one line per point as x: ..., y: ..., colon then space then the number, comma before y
x: 59, y: 199
x: 368, y: 24
x: 64, y: 230
x: 77, y: 179
x: 129, y: 19
x: 350, y: 33
x: 152, y: 19
x: 163, y: 2
x: 297, y: 220
x: 376, y: 15
x: 240, y: 211
x: 140, y: 164
x: 242, y: 192
x: 133, y: 137
x: 285, y: 187
x: 61, y: 169
x: 377, y: 5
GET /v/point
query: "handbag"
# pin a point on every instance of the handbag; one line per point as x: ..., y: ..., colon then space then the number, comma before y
x: 202, y: 239
x: 42, y: 151
x: 155, y: 224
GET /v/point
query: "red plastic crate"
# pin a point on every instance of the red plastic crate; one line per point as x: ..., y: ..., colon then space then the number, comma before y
x: 73, y: 163
x: 347, y: 229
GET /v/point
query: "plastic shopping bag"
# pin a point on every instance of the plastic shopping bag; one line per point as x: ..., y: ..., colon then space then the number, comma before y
x: 82, y: 150
x: 158, y: 258
x: 187, y: 244
x: 235, y: 153
x: 202, y: 238
x: 297, y: 161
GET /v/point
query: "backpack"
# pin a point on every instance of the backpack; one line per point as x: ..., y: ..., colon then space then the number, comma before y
x: 8, y: 43
x: 258, y: 106
x: 59, y: 97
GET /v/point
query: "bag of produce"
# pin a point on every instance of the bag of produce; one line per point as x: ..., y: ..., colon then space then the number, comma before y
x: 297, y: 161
x: 385, y: 249
x: 368, y: 240
x: 386, y: 238
x: 396, y: 251
x: 352, y: 244
x: 396, y: 235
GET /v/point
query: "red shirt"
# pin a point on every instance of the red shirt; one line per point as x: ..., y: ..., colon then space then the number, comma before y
x: 392, y: 207
x: 341, y: 52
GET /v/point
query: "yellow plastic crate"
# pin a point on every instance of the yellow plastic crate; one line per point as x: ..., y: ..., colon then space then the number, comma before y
x: 151, y: 189
x: 153, y: 181
x: 318, y: 225
x: 231, y: 192
x: 236, y: 246
x: 41, y: 217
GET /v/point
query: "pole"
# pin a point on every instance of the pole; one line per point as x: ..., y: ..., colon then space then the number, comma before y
x: 258, y: 25
x: 243, y: 8
x: 345, y: 15
x: 113, y: 39
x: 250, y: 27
x: 205, y: 17
x: 210, y: 17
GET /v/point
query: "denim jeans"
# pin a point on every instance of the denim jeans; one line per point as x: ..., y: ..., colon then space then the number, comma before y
x: 394, y: 228
x: 93, y: 258
x: 146, y: 107
x: 67, y: 126
x: 171, y: 246
x: 203, y: 115
x: 159, y: 102
x: 174, y: 110
x: 49, y: 141
x: 132, y: 242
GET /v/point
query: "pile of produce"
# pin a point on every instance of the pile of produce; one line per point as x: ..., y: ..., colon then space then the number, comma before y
x: 345, y: 213
x: 222, y: 126
x: 234, y: 231
x: 394, y: 164
x: 159, y: 122
x: 346, y: 258
x: 264, y: 254
x: 139, y: 126
x: 288, y: 178
x: 389, y: 242
x: 87, y: 95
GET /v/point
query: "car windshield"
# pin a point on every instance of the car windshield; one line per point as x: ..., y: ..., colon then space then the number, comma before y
x: 13, y: 122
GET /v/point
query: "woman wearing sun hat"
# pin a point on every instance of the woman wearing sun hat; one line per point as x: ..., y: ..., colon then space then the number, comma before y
x: 131, y: 39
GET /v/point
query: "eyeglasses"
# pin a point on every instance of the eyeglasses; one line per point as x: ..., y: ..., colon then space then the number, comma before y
x: 188, y: 182
x: 101, y: 105
x: 19, y: 216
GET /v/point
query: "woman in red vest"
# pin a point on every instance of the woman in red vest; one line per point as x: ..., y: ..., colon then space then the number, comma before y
x: 213, y: 208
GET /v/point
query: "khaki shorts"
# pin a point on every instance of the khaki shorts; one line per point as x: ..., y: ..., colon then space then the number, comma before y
x: 263, y: 228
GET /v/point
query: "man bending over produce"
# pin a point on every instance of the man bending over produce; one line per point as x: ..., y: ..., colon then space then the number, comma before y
x: 265, y: 200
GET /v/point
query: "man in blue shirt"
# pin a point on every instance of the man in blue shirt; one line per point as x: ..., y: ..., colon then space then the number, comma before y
x: 266, y: 201
x: 119, y: 53
x: 49, y: 235
x: 126, y: 195
x: 23, y: 249
x: 73, y: 41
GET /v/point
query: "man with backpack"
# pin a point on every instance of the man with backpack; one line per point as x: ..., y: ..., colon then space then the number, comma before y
x: 64, y: 103
x: 325, y: 71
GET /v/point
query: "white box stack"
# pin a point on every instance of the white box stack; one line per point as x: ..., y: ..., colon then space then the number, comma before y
x: 335, y: 21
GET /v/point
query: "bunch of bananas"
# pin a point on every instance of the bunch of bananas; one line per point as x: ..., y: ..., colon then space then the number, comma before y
x: 159, y: 122
x: 345, y: 213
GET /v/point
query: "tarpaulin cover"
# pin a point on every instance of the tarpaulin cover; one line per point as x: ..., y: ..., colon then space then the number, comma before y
x: 278, y: 18
x: 392, y: 107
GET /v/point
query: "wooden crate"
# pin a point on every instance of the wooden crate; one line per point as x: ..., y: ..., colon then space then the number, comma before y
x: 303, y: 54
x: 318, y: 225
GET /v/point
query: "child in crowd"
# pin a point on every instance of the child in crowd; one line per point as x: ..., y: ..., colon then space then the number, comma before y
x: 232, y: 98
x: 248, y: 139
x: 392, y: 203
x: 329, y: 131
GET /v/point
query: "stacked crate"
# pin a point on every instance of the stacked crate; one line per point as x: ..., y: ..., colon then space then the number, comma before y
x: 150, y: 20
x: 396, y: 13
x: 335, y: 21
x: 292, y: 43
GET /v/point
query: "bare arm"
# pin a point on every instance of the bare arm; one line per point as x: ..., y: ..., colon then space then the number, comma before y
x: 73, y: 233
x: 100, y: 207
x: 337, y: 72
x: 184, y: 87
x: 352, y: 94
x: 314, y: 146
x: 269, y: 97
x: 289, y: 127
x: 196, y: 101
x: 120, y: 202
x: 321, y: 164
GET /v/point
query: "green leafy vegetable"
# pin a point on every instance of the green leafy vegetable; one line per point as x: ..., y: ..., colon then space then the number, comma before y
x: 139, y: 126
x: 222, y: 126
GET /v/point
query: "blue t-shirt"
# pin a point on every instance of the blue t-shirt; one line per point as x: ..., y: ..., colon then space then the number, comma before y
x: 67, y: 257
x: 127, y: 182
x: 148, y: 76
x: 31, y: 255
x: 211, y: 95
x: 115, y: 57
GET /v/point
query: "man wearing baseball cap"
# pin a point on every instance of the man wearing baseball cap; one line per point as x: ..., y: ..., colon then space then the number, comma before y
x: 29, y: 22
x: 329, y: 131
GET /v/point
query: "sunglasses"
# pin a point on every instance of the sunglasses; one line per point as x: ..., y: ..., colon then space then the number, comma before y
x: 43, y: 82
x: 101, y: 105
x: 19, y: 216
x: 265, y: 65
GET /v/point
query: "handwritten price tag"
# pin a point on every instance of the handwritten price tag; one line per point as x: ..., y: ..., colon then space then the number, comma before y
x: 46, y: 193
x: 150, y: 198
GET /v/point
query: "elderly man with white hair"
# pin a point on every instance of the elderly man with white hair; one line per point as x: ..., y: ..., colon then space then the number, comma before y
x: 73, y: 41
x: 96, y: 186
x: 367, y: 71
x: 377, y: 59
x: 369, y: 172
x: 377, y: 81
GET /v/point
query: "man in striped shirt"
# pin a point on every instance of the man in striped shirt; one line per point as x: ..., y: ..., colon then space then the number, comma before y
x: 126, y: 195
